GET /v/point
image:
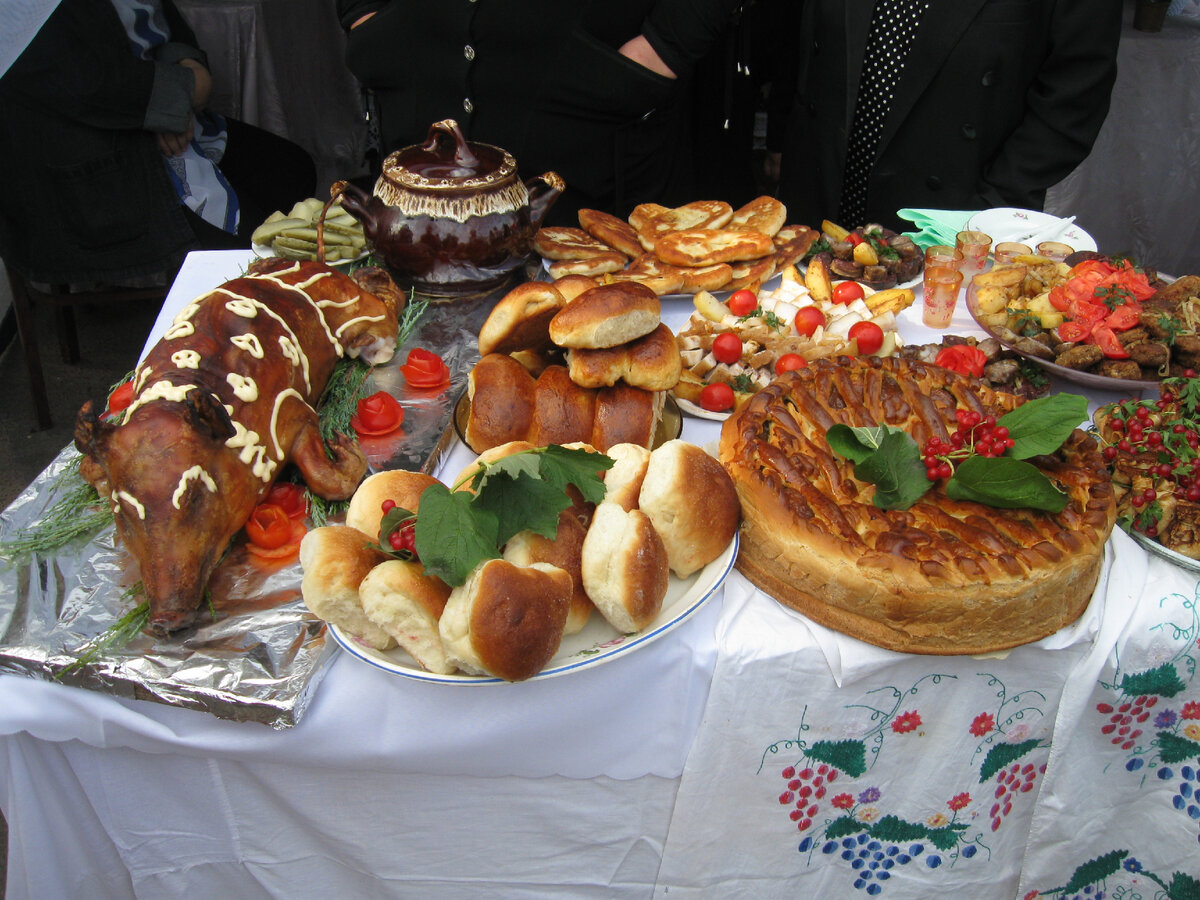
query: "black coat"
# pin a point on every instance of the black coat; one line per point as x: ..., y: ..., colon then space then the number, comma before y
x: 87, y: 197
x: 543, y: 79
x: 999, y: 100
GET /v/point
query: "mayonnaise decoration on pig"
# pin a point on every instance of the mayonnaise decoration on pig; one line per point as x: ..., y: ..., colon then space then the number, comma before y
x: 221, y: 404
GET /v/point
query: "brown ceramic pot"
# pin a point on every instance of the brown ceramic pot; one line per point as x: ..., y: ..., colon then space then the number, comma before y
x: 450, y: 217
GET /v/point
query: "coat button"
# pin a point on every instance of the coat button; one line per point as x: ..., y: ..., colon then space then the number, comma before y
x: 989, y: 78
x: 934, y: 183
x: 469, y: 52
x: 468, y: 106
x: 968, y: 131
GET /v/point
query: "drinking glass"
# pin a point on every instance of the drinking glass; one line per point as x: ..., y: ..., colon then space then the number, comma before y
x: 1008, y: 251
x: 974, y: 247
x: 939, y: 290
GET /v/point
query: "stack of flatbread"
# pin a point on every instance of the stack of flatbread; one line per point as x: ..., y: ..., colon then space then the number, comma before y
x: 705, y: 245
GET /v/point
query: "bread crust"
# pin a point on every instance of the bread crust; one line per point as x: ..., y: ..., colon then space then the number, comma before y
x: 764, y: 214
x: 501, y: 391
x: 563, y: 411
x: 606, y: 316
x: 599, y: 264
x: 701, y: 247
x: 564, y: 550
x: 625, y: 569
x: 399, y: 597
x: 626, y: 415
x: 608, y: 229
x: 365, y: 511
x: 521, y: 320
x: 563, y: 242
x: 335, y: 559
x: 651, y: 362
x: 943, y: 577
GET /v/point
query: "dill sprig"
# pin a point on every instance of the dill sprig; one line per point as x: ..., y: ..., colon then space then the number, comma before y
x: 116, y: 635
x: 78, y: 513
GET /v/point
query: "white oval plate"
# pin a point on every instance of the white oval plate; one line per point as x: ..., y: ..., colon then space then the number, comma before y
x: 1028, y: 226
x: 595, y: 645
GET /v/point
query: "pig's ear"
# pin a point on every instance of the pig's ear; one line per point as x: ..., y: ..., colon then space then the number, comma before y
x: 90, y: 432
x: 209, y: 414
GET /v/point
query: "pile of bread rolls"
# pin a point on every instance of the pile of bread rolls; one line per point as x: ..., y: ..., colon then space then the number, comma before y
x: 571, y: 361
x: 671, y: 510
x: 705, y: 245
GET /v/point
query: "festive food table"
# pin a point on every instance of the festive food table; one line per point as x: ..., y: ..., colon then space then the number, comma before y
x: 746, y: 753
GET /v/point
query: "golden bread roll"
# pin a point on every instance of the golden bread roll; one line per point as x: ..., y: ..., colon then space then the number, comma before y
x: 606, y: 316
x: 692, y: 502
x: 536, y: 361
x: 404, y: 601
x: 600, y: 264
x: 608, y: 229
x: 626, y: 415
x: 702, y: 247
x: 491, y: 454
x: 653, y: 221
x: 625, y: 569
x: 335, y: 559
x: 561, y: 242
x: 521, y: 320
x: 506, y: 620
x: 651, y: 362
x: 563, y: 411
x: 365, y: 511
x: 564, y: 550
x: 764, y: 214
x: 623, y: 482
x: 667, y: 281
x: 571, y: 286
x: 679, y: 279
x: 501, y: 391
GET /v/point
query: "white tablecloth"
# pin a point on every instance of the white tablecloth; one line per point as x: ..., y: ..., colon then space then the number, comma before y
x: 671, y: 767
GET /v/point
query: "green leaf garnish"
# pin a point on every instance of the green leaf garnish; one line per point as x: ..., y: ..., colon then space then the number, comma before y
x: 1005, y: 483
x: 1040, y: 426
x: 896, y: 471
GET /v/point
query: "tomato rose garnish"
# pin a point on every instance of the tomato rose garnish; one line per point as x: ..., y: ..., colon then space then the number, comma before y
x: 290, y: 498
x: 425, y: 369
x: 962, y: 358
x: 378, y: 414
x: 119, y: 400
x: 271, y: 533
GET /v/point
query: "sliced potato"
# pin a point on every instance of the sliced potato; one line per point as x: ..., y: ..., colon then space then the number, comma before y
x: 865, y: 255
x: 833, y: 231
x: 816, y: 279
x: 891, y: 300
x: 709, y: 306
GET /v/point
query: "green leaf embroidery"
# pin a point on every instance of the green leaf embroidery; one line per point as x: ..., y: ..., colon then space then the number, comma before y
x: 1095, y: 870
x: 1176, y: 749
x: 1163, y: 681
x: 843, y: 826
x: 849, y: 756
x: 1005, y: 483
x: 1183, y: 887
x: 1003, y: 754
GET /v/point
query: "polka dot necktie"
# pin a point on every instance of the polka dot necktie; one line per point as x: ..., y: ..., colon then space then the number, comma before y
x: 893, y: 27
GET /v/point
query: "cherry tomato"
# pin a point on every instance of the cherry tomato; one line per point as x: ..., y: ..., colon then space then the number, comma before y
x: 727, y: 347
x: 289, y: 497
x: 962, y: 358
x: 846, y: 292
x: 789, y: 362
x: 120, y: 399
x: 425, y: 369
x: 269, y: 527
x: 717, y: 397
x: 808, y: 320
x: 378, y: 414
x: 743, y: 302
x: 868, y: 336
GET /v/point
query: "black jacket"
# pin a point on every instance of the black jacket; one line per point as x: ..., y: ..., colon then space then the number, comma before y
x: 543, y: 79
x: 999, y: 100
x: 87, y: 197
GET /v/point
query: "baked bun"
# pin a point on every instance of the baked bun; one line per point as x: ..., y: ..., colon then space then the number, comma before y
x: 693, y: 504
x: 667, y: 281
x: 506, y: 620
x: 600, y: 264
x: 502, y: 402
x: 490, y: 455
x: 617, y: 233
x: 564, y: 550
x: 404, y: 601
x: 626, y: 415
x: 701, y: 247
x: 571, y: 286
x: 563, y: 411
x: 651, y: 362
x: 521, y: 320
x: 606, y: 316
x: 335, y: 559
x: 653, y: 221
x: 559, y: 242
x: 763, y: 214
x: 624, y: 567
x: 663, y: 277
x: 365, y: 511
x: 623, y: 482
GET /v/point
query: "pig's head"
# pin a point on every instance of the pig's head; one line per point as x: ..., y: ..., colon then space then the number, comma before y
x: 178, y: 494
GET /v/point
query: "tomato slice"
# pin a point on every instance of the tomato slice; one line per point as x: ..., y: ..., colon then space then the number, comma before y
x: 269, y: 526
x: 290, y: 498
x: 378, y: 414
x: 119, y: 400
x: 425, y: 369
x: 1073, y: 331
x: 962, y: 358
x: 1087, y: 313
x: 1124, y: 317
x: 1108, y: 343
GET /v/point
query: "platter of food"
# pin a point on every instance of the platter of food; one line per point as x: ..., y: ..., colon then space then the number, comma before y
x: 596, y: 644
x: 295, y: 234
x: 1029, y: 225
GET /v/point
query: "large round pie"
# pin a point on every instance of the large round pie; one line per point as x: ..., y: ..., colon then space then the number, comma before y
x: 943, y: 576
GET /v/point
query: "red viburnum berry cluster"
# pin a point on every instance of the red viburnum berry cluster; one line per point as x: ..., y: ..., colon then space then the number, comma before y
x: 976, y: 435
x: 404, y: 538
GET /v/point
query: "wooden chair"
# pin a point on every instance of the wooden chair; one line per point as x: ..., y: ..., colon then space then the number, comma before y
x: 24, y: 298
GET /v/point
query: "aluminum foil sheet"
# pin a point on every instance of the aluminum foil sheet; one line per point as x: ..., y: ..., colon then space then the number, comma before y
x: 259, y: 655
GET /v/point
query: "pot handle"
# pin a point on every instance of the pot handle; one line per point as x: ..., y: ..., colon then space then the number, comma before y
x: 543, y: 189
x: 463, y: 157
x: 357, y: 202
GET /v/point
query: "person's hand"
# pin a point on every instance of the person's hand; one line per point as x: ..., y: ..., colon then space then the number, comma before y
x: 639, y: 50
x: 360, y: 20
x: 175, y: 144
x: 203, y: 83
